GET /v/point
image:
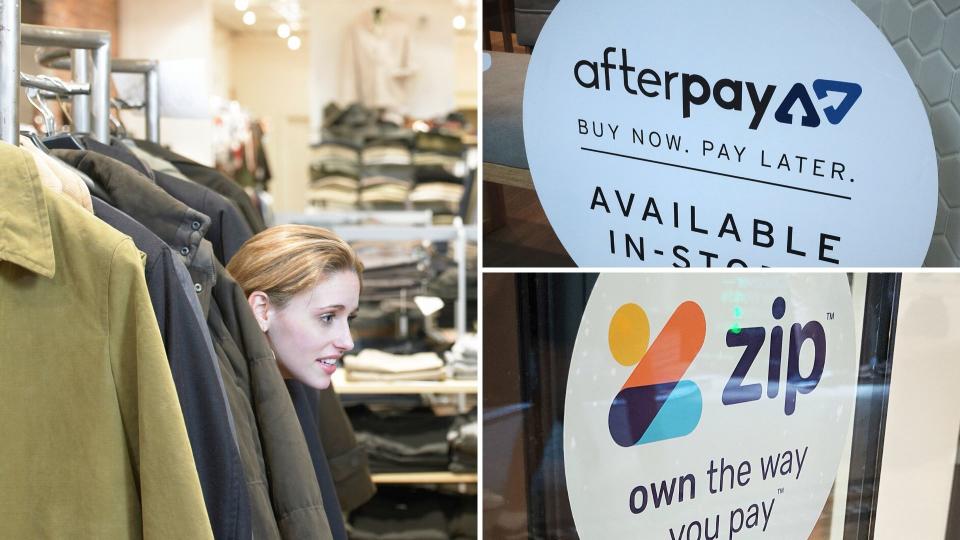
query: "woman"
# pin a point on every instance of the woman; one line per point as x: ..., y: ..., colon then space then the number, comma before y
x: 303, y: 285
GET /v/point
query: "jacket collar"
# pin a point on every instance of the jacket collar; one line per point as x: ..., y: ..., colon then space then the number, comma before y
x: 179, y: 226
x: 25, y: 236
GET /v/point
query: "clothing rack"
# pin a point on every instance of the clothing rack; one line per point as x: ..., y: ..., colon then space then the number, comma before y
x: 84, y: 44
x: 59, y: 59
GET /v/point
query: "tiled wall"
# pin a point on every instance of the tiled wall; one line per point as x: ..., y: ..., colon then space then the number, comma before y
x: 926, y: 35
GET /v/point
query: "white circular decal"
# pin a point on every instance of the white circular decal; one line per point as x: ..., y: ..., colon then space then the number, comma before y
x: 748, y: 133
x: 708, y: 406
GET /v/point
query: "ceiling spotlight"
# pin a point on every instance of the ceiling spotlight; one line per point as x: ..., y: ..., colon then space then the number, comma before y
x: 241, y: 5
x: 293, y: 43
x: 283, y: 30
x: 459, y: 22
x: 249, y: 18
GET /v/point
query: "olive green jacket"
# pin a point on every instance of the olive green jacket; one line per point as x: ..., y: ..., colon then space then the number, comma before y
x: 94, y: 443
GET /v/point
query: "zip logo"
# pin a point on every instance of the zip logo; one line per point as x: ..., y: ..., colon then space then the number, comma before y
x: 728, y: 94
x: 654, y: 403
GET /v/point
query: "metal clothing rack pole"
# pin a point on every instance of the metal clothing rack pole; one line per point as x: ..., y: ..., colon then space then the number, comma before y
x: 13, y: 34
x: 84, y: 43
x: 9, y: 70
x: 54, y: 85
x: 57, y: 59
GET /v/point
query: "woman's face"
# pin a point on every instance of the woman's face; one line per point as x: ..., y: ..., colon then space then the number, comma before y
x: 312, y: 331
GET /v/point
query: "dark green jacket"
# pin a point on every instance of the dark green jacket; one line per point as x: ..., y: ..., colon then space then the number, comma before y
x: 272, y: 444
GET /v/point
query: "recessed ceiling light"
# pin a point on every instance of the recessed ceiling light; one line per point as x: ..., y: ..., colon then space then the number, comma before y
x: 249, y: 18
x: 293, y: 43
x: 283, y: 30
x: 459, y: 22
x: 241, y: 5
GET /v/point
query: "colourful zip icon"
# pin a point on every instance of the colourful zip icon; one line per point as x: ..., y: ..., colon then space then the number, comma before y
x: 654, y: 403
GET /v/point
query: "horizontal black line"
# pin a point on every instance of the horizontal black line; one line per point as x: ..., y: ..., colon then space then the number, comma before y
x: 717, y: 173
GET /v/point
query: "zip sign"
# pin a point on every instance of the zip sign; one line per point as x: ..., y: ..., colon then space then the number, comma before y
x: 708, y: 406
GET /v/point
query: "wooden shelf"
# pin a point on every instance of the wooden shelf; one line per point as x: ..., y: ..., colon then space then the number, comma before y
x: 450, y: 386
x: 439, y: 477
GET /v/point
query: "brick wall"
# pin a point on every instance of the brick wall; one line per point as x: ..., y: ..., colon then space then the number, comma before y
x: 90, y: 14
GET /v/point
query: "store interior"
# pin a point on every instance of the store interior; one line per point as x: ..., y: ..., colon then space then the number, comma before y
x: 360, y: 117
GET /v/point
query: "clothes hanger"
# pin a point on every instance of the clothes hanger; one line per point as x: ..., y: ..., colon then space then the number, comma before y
x: 65, y: 140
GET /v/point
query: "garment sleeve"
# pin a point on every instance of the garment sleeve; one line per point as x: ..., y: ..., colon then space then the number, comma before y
x: 171, y: 503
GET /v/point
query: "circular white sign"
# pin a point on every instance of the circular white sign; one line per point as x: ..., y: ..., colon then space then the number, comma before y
x: 708, y: 406
x: 753, y: 133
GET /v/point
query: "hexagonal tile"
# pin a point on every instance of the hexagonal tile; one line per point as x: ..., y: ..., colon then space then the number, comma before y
x: 896, y: 21
x: 872, y: 9
x: 926, y: 28
x: 941, y: 222
x: 909, y: 56
x: 950, y: 181
x: 935, y: 78
x: 951, y: 38
x: 915, y: 2
x: 939, y: 253
x: 945, y: 122
x: 955, y: 95
x: 948, y: 6
x: 952, y: 231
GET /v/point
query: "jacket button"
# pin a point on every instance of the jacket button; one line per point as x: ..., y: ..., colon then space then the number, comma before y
x: 198, y: 287
x: 184, y: 250
x: 195, y: 225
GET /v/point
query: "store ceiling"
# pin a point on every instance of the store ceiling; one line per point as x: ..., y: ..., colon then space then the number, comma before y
x: 269, y: 14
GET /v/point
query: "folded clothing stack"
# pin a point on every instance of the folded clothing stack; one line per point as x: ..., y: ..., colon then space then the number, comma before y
x: 334, y: 176
x: 462, y: 357
x: 412, y: 513
x: 462, y: 438
x: 437, y: 189
x: 385, y: 187
x: 439, y: 149
x: 375, y: 365
x: 403, y: 440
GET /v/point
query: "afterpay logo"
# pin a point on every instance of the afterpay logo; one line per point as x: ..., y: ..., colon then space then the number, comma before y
x: 654, y: 404
x: 728, y: 93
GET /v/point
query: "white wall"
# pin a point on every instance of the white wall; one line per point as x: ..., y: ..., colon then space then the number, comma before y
x: 271, y: 82
x: 923, y: 418
x: 179, y: 33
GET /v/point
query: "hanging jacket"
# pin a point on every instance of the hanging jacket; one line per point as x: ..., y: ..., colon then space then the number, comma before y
x: 289, y: 475
x: 348, y: 460
x: 211, y: 178
x: 300, y: 395
x: 196, y: 374
x: 96, y: 444
x: 228, y: 230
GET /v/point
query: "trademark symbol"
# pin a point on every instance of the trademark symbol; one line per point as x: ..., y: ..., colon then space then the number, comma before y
x: 779, y: 491
x: 830, y: 316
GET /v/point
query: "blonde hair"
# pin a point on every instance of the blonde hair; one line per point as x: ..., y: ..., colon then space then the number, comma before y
x: 288, y: 259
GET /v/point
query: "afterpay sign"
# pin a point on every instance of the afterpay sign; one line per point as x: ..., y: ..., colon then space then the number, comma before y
x: 702, y: 407
x: 751, y: 133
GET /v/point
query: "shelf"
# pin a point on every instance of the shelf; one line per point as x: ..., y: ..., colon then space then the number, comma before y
x: 439, y: 477
x: 450, y: 386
